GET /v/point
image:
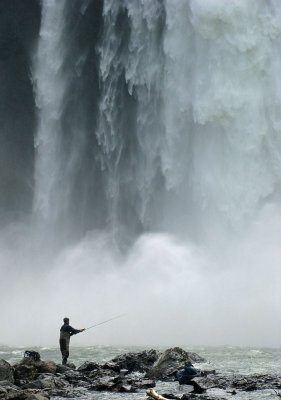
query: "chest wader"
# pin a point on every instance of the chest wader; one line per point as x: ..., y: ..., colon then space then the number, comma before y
x: 64, y: 346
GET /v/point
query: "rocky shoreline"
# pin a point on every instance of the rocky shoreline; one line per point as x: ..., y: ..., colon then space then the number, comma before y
x: 35, y: 379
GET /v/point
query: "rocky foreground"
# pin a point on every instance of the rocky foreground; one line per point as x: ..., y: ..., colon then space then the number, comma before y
x: 33, y: 379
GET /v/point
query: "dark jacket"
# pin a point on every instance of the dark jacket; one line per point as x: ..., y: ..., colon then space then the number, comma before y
x: 66, y: 331
x: 185, y: 374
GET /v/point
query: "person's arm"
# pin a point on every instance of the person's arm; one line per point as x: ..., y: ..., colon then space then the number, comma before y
x: 73, y: 331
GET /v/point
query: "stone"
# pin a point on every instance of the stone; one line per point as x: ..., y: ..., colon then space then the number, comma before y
x: 24, y: 372
x: 88, y: 366
x: 106, y: 383
x: 198, y: 385
x: 6, y: 371
x: 46, y: 367
x: 37, y: 396
x: 126, y: 389
x: 145, y: 384
x: 169, y: 362
x: 141, y: 361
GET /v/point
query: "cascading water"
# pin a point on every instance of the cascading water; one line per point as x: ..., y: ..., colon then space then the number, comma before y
x: 129, y: 129
x: 217, y: 87
x: 197, y: 141
x: 158, y: 124
x: 51, y: 187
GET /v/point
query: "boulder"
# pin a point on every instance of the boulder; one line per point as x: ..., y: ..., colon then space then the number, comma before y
x: 126, y: 389
x: 167, y: 364
x: 6, y: 371
x: 141, y: 361
x: 28, y: 369
x: 48, y: 367
x: 11, y: 393
x: 105, y: 383
x: 37, y: 396
x: 24, y: 372
x: 88, y: 367
x: 3, y: 392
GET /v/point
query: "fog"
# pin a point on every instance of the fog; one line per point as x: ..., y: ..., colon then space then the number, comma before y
x: 171, y: 292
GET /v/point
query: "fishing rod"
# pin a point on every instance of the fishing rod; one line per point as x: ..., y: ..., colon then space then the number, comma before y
x: 104, y: 322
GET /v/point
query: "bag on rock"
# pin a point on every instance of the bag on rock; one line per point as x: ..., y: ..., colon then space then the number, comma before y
x: 32, y: 354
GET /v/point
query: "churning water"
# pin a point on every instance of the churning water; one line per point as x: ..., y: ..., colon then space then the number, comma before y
x: 225, y: 360
x: 148, y: 180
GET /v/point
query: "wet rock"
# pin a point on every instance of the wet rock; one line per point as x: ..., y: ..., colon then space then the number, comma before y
x: 19, y: 394
x: 170, y: 361
x: 88, y: 366
x: 47, y: 382
x: 105, y: 383
x: 6, y: 371
x: 251, y: 387
x: 24, y: 372
x: 171, y: 396
x: 198, y: 385
x: 69, y: 392
x: 100, y: 373
x: 141, y: 361
x: 71, y: 365
x: 37, y: 396
x: 255, y: 382
x: 76, y: 378
x: 204, y: 382
x: 37, y: 380
x: 28, y: 369
x: 113, y: 366
x: 192, y: 396
x: 46, y: 367
x: 3, y: 391
x: 62, y: 368
x: 126, y: 389
x: 7, y: 384
x: 145, y: 384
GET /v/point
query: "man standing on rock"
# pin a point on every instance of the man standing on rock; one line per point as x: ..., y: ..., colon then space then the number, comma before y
x: 65, y: 332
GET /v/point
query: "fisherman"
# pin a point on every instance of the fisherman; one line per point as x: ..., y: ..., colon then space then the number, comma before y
x: 187, y: 373
x: 65, y: 332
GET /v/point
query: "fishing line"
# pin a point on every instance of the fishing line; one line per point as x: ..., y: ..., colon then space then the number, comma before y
x: 104, y: 322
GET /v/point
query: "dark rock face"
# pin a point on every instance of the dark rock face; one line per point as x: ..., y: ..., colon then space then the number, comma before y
x: 170, y: 361
x: 6, y: 372
x: 19, y: 28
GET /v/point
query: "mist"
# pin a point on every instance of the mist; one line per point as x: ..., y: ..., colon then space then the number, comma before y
x: 140, y: 172
x: 171, y: 292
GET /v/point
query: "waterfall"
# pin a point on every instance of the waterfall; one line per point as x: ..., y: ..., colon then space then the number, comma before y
x: 217, y: 99
x: 186, y: 129
x: 62, y: 139
x: 50, y: 87
x: 154, y: 181
x: 129, y: 127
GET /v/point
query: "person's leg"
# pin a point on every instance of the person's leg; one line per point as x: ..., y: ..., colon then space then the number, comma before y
x: 64, y: 351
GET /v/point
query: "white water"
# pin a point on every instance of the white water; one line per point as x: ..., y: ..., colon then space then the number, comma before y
x: 141, y: 63
x: 50, y: 87
x: 222, y: 98
x: 207, y: 112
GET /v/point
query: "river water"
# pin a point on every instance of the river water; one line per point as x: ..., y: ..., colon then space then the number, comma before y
x: 227, y: 360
